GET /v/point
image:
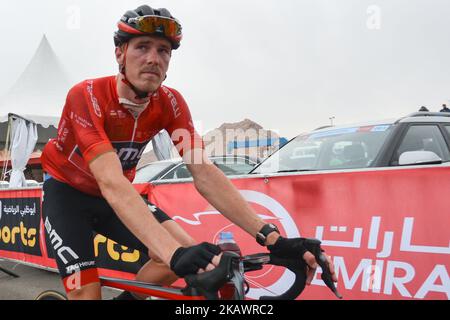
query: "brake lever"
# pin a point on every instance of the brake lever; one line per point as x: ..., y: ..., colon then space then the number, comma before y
x: 313, y: 246
x: 208, y: 283
x: 237, y: 280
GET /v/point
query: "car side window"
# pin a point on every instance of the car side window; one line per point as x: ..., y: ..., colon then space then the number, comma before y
x: 448, y: 129
x: 232, y: 166
x: 423, y: 138
x: 180, y: 172
x: 169, y: 175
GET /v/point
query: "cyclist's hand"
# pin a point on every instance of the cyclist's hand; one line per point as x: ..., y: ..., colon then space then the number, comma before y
x: 192, y: 260
x: 294, y: 248
x: 214, y: 263
x: 312, y: 266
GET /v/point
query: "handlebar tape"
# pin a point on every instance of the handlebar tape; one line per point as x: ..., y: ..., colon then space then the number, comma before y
x: 298, y: 267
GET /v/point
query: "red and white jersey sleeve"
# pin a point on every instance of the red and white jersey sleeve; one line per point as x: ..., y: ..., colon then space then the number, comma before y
x: 81, y: 138
x: 87, y: 122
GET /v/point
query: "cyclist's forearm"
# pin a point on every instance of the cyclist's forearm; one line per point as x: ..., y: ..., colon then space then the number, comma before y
x: 133, y: 212
x: 130, y: 208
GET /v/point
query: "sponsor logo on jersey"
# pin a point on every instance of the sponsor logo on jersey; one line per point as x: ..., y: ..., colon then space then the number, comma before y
x: 94, y: 101
x: 173, y: 102
x: 129, y: 153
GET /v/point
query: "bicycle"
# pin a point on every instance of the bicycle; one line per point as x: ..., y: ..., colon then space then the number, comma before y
x: 230, y: 271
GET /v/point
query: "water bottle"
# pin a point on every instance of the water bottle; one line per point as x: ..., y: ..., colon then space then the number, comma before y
x: 226, y: 243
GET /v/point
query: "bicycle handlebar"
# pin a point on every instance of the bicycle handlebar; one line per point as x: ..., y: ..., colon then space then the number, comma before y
x: 298, y: 267
x: 208, y: 283
x: 232, y: 267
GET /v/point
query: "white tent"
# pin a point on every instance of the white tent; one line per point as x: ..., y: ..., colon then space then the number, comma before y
x: 46, y: 128
x: 35, y: 100
x: 38, y: 95
x: 41, y: 89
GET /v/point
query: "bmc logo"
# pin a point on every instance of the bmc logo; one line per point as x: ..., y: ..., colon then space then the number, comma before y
x: 57, y: 244
x: 129, y: 153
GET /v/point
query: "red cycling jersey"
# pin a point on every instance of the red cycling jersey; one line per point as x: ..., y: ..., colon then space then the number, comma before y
x: 93, y: 122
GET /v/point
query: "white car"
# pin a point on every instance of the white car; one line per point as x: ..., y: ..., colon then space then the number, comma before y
x: 420, y: 138
x: 176, y: 168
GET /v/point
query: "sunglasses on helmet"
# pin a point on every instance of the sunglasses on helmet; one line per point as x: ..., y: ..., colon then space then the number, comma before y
x: 156, y: 24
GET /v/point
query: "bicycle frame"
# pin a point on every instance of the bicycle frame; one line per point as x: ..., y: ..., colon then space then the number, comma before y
x: 153, y: 290
x: 230, y: 272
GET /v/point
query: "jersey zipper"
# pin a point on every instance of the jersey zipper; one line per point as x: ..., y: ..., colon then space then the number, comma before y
x: 136, y: 119
x: 135, y: 127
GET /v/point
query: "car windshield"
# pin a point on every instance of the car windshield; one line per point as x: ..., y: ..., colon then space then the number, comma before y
x: 338, y: 148
x: 151, y: 171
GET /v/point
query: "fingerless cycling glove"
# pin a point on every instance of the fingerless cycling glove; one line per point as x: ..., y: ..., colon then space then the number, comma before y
x: 288, y: 248
x: 188, y: 260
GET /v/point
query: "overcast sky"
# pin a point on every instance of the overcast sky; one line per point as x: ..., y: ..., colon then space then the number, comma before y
x: 289, y: 65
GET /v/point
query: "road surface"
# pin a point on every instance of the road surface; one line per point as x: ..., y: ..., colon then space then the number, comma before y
x: 31, y: 282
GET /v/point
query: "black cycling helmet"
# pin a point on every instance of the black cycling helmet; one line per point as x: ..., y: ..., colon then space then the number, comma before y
x: 145, y: 20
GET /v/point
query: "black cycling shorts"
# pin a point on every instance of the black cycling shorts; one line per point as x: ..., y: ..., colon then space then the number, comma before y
x: 70, y: 218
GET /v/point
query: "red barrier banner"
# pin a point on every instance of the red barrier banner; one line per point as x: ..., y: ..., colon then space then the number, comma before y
x: 386, y: 230
x: 21, y: 234
x: 23, y: 237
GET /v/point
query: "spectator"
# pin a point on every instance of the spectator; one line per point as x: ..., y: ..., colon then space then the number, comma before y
x: 444, y: 108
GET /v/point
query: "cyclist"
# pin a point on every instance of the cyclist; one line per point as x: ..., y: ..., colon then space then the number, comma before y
x: 104, y: 128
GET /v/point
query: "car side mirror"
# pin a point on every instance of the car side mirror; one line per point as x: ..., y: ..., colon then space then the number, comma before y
x: 418, y: 157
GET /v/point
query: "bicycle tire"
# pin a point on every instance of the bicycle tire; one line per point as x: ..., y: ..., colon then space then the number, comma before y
x: 51, y: 295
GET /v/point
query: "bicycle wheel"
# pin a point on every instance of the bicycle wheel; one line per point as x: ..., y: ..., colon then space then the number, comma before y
x: 51, y: 295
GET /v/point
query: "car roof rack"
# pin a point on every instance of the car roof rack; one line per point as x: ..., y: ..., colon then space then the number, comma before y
x: 425, y: 114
